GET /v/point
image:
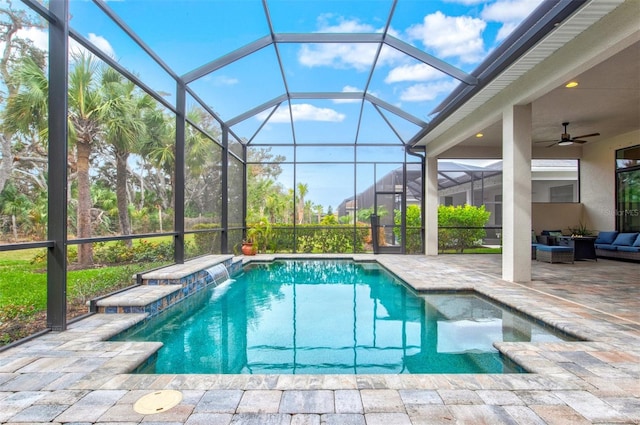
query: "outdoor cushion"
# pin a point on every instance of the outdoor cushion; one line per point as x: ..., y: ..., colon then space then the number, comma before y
x: 606, y: 246
x: 554, y: 248
x: 551, y: 232
x: 629, y: 248
x: 606, y: 237
x: 626, y: 239
x: 637, y: 242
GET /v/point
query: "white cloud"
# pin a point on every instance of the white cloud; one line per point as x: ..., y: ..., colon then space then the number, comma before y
x: 348, y: 89
x: 102, y: 44
x: 223, y: 80
x: 302, y: 112
x: 426, y: 92
x: 38, y: 37
x: 343, y: 56
x: 356, y: 56
x: 416, y: 72
x: 451, y: 36
x: 342, y: 25
x: 509, y: 13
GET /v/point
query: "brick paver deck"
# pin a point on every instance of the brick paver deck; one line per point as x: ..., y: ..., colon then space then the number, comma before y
x: 77, y: 377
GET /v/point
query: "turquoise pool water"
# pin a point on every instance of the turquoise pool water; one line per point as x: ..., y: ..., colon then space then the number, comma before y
x: 325, y: 317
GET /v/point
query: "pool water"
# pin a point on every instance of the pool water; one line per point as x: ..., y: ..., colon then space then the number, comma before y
x: 327, y: 317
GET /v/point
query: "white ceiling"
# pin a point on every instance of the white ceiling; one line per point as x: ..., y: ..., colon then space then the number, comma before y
x: 606, y: 101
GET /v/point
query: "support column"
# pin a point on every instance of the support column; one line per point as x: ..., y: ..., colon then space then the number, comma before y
x: 181, y: 123
x: 431, y: 205
x: 516, y: 190
x: 58, y: 136
x: 224, y: 165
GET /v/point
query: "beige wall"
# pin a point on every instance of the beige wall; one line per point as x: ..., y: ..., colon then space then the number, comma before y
x: 555, y: 216
x: 597, y: 180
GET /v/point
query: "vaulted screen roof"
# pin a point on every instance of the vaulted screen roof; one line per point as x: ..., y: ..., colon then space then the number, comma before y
x: 317, y: 71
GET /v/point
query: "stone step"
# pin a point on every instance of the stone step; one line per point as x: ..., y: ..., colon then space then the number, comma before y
x: 159, y: 289
x: 141, y: 299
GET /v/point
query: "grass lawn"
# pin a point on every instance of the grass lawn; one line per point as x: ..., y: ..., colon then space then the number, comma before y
x: 23, y: 289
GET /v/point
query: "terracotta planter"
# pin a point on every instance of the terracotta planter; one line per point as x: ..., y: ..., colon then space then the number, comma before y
x: 248, y: 249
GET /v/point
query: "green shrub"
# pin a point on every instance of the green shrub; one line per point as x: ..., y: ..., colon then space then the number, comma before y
x: 461, y: 227
x: 141, y: 251
x: 206, y: 242
x: 414, y: 228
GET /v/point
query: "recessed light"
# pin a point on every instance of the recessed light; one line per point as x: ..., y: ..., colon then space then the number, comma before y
x: 478, y: 135
x: 571, y: 84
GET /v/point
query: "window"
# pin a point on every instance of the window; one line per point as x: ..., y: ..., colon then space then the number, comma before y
x: 561, y: 193
x: 628, y: 189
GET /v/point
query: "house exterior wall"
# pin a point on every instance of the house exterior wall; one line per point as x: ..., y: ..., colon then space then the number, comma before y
x: 597, y: 180
x: 555, y: 216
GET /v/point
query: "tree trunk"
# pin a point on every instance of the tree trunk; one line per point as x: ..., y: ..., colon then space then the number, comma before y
x: 121, y: 195
x: 15, y: 227
x: 6, y: 161
x: 85, y: 251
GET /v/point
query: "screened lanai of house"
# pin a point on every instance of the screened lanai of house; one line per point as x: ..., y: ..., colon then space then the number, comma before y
x: 205, y: 118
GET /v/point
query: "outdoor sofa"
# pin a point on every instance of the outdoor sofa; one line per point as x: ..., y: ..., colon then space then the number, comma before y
x: 625, y: 245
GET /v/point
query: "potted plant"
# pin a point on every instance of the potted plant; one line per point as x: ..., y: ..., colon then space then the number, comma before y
x: 580, y: 231
x: 248, y: 247
x: 259, y: 234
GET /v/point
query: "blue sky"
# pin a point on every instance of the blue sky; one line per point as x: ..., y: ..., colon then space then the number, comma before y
x: 187, y: 34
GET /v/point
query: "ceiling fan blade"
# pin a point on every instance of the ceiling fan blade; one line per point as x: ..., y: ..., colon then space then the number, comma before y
x: 553, y: 144
x: 579, y: 141
x: 586, y: 135
x: 547, y: 141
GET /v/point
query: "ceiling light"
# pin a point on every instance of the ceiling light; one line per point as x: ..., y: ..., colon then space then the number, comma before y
x: 479, y: 135
x: 571, y: 84
x: 565, y: 143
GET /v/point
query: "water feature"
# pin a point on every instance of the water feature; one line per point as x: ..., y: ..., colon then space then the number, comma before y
x: 219, y: 273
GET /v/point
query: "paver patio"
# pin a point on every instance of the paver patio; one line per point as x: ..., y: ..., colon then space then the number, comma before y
x: 78, y: 377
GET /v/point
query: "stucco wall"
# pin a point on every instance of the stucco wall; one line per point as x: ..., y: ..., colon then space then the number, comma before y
x: 597, y: 180
x: 555, y: 216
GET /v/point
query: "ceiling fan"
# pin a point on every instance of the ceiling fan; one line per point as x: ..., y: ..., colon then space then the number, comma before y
x: 566, y: 139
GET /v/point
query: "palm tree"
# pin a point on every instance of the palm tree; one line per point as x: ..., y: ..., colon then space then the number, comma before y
x: 303, y: 189
x: 124, y: 128
x: 158, y: 149
x: 86, y: 111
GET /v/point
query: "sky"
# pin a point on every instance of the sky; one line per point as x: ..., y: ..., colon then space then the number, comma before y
x: 187, y: 34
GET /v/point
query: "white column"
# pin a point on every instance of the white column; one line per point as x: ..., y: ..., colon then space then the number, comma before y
x: 431, y: 205
x: 516, y: 190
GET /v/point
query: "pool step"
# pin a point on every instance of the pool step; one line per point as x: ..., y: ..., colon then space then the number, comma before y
x: 159, y: 289
x: 141, y: 299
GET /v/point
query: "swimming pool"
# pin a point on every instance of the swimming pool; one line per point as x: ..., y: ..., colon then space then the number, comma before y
x: 331, y: 316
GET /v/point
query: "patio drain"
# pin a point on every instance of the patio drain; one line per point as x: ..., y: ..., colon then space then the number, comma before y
x: 157, y: 402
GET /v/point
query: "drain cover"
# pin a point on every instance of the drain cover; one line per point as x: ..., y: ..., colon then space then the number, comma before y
x: 157, y: 402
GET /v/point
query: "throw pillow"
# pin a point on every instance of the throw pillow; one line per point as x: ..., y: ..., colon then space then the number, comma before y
x: 606, y: 238
x: 626, y: 239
